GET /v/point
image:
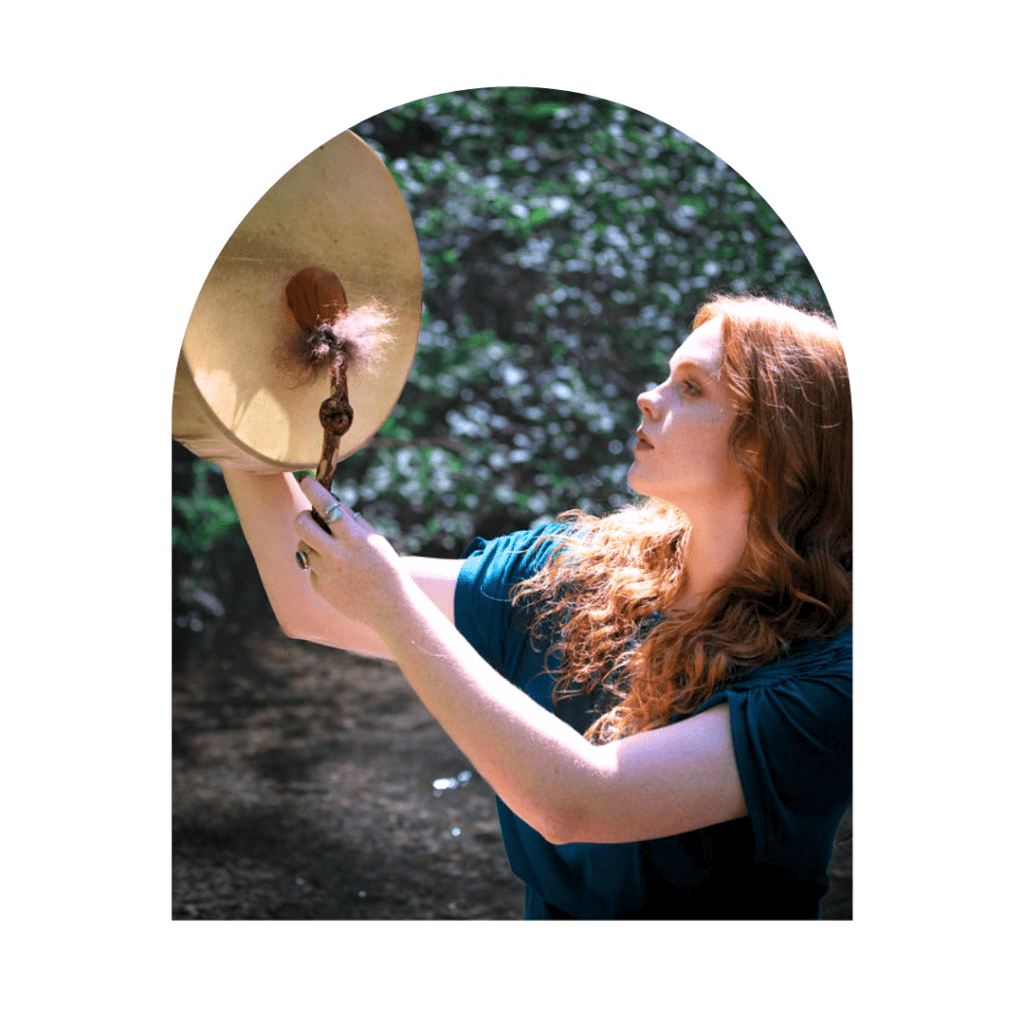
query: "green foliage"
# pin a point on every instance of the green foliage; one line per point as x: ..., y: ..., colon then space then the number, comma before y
x: 202, y: 516
x: 566, y: 242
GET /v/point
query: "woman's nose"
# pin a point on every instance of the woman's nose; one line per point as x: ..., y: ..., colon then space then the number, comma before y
x: 646, y: 401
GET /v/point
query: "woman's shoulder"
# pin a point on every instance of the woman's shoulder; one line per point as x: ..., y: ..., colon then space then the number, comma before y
x: 535, y: 544
x: 490, y: 571
x: 823, y: 659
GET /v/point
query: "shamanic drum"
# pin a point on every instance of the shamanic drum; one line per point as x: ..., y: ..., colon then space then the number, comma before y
x: 338, y: 209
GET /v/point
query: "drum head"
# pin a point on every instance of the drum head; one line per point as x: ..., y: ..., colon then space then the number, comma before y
x: 339, y: 209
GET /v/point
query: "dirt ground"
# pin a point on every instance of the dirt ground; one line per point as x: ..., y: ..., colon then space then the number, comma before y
x: 311, y: 784
x: 304, y: 788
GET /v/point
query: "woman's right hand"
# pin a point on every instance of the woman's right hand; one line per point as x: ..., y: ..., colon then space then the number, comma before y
x: 351, y: 565
x: 267, y: 507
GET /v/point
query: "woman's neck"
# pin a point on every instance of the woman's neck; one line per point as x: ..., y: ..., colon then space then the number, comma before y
x: 713, y: 549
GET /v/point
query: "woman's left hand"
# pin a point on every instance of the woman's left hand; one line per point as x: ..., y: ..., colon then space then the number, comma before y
x: 353, y: 568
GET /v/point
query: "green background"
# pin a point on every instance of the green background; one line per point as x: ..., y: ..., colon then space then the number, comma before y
x: 133, y: 133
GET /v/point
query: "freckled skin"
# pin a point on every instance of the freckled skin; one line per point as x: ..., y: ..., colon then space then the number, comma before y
x: 687, y: 420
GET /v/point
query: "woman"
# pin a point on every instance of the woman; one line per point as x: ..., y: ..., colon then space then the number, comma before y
x: 677, y: 739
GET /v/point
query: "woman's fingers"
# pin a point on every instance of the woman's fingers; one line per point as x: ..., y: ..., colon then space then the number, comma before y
x: 325, y: 504
x: 348, y: 526
x: 311, y: 533
x: 353, y: 568
x: 328, y: 508
x: 319, y: 497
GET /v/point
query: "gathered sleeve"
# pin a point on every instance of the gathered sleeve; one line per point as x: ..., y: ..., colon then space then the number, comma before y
x: 792, y: 731
x: 791, y: 724
x: 484, y: 613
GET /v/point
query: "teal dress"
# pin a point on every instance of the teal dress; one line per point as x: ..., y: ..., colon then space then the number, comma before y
x: 792, y: 734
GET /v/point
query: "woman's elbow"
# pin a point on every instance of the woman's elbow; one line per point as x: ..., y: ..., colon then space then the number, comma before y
x: 551, y: 831
x: 558, y: 836
x: 560, y: 824
x: 296, y: 628
x: 295, y: 615
x: 340, y: 636
x: 575, y: 830
x: 293, y: 625
x: 290, y: 629
x: 575, y: 810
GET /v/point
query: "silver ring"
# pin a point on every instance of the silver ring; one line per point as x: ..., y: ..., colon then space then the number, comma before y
x: 303, y: 559
x: 333, y: 512
x: 357, y: 515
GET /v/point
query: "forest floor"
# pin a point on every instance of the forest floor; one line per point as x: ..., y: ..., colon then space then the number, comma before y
x: 311, y: 784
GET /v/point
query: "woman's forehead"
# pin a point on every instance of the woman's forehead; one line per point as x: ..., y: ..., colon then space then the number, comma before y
x: 703, y: 349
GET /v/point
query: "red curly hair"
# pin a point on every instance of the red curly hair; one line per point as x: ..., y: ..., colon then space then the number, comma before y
x: 792, y: 441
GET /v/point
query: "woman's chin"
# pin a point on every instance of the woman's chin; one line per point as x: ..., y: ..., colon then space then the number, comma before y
x: 635, y: 482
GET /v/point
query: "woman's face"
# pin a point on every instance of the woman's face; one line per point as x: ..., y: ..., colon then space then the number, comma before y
x: 682, y: 452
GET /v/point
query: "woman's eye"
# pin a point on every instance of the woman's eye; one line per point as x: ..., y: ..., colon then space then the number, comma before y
x: 689, y: 387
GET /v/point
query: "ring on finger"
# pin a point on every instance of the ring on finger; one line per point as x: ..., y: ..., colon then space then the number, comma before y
x: 303, y: 559
x: 333, y: 512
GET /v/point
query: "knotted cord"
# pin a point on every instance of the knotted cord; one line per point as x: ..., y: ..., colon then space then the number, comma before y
x: 317, y: 300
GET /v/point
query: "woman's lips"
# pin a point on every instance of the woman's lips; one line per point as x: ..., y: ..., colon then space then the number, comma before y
x: 641, y: 440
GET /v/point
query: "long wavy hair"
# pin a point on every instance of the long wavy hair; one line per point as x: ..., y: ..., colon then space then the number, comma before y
x: 792, y: 440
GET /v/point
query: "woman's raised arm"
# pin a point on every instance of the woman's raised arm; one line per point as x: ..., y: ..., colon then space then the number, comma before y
x: 267, y: 506
x: 656, y: 783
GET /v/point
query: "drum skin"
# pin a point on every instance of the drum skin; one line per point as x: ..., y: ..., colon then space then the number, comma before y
x: 234, y: 404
